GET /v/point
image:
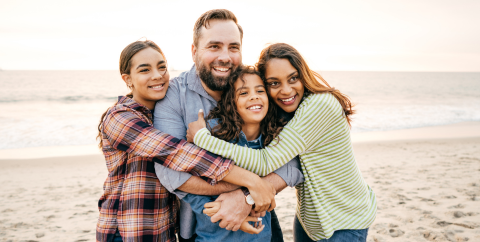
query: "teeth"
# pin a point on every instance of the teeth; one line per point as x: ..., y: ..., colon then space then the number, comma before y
x: 157, y: 87
x: 221, y: 69
x: 254, y: 107
x: 288, y: 100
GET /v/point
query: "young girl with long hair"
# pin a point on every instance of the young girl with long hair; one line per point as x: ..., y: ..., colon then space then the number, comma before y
x: 134, y: 205
x: 335, y: 203
x: 244, y: 117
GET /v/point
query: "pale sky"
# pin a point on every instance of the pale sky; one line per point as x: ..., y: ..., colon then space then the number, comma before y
x: 372, y: 35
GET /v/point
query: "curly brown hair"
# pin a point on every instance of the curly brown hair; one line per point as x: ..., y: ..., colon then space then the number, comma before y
x: 229, y: 121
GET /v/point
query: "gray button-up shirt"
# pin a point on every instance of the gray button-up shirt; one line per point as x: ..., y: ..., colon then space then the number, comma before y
x: 185, y: 96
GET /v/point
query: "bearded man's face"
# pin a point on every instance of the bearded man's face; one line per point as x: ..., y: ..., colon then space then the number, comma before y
x: 218, y: 53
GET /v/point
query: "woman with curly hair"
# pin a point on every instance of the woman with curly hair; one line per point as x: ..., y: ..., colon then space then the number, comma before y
x: 334, y: 202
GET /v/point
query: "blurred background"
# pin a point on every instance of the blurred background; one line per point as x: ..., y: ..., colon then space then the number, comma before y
x: 405, y: 64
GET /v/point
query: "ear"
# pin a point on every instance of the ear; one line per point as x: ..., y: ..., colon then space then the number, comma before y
x: 127, y: 79
x: 194, y: 52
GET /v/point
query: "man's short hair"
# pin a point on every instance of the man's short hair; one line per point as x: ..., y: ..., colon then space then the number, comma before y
x: 221, y: 14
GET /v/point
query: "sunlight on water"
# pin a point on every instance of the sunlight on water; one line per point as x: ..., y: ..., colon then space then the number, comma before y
x: 48, y: 108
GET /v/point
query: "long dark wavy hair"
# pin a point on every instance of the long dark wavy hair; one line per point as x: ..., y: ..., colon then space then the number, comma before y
x: 229, y: 121
x: 313, y: 82
x: 125, y: 64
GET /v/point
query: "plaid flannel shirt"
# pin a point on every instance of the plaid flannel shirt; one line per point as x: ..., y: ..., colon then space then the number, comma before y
x: 134, y: 201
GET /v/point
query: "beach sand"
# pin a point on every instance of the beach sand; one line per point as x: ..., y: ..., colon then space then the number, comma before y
x: 427, y: 183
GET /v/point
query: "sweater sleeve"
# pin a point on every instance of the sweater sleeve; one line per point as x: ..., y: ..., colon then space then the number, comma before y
x: 312, y: 119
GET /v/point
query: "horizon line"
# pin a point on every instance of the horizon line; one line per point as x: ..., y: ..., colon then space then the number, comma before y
x: 188, y: 70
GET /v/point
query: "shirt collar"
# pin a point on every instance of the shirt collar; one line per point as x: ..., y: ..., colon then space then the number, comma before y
x: 244, y: 140
x: 195, y: 84
x: 130, y: 103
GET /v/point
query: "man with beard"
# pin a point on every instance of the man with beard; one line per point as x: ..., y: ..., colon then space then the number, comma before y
x: 216, y: 51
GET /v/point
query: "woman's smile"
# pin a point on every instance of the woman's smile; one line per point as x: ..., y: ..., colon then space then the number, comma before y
x: 284, y: 86
x: 288, y: 101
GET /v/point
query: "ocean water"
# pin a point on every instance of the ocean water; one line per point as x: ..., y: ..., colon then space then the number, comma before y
x: 51, y: 108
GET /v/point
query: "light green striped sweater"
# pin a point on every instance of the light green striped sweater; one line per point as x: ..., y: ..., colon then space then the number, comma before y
x: 334, y: 195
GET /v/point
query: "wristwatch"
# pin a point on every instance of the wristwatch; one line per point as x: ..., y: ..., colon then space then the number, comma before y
x: 248, y: 197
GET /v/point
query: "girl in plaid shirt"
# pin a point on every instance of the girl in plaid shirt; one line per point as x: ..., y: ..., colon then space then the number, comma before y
x: 135, y: 206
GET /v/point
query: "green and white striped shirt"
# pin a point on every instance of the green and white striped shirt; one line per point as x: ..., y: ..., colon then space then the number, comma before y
x: 334, y: 195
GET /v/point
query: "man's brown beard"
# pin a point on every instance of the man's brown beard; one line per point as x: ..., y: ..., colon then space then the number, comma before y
x: 213, y: 82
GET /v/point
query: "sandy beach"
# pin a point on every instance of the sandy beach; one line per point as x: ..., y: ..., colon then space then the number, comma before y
x: 427, y: 184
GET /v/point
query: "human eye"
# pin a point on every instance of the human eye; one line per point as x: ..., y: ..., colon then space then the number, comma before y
x: 293, y: 79
x: 162, y: 68
x: 214, y: 46
x: 273, y: 84
x: 144, y: 70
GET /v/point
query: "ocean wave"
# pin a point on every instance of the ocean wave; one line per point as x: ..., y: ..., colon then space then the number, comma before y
x: 64, y: 99
x: 64, y: 108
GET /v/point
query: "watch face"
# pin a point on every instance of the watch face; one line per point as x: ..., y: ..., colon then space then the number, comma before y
x: 249, y: 199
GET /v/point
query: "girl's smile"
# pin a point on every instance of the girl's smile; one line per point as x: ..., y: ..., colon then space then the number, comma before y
x: 252, y: 103
x: 148, y: 78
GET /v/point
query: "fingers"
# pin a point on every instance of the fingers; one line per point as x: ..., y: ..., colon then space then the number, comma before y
x: 212, y: 208
x: 253, y: 219
x: 209, y: 212
x: 272, y: 205
x: 224, y: 224
x: 220, y: 198
x: 253, y: 213
x: 236, y: 227
x: 189, y: 138
x: 232, y: 211
x: 215, y: 218
x: 262, y: 207
x: 248, y: 228
x: 216, y: 204
x: 200, y: 115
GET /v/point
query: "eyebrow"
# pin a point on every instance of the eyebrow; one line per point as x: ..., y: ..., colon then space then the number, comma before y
x: 147, y: 65
x: 274, y: 78
x: 244, y: 87
x: 142, y: 65
x: 215, y: 42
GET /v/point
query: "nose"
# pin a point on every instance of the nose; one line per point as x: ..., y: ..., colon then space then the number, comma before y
x: 224, y: 55
x: 286, y: 89
x: 254, y: 96
x: 157, y: 75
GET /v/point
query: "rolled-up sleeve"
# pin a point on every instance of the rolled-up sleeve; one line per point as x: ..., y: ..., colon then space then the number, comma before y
x: 291, y: 172
x: 172, y: 179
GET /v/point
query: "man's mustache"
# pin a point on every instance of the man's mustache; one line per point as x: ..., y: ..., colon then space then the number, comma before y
x: 222, y: 64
